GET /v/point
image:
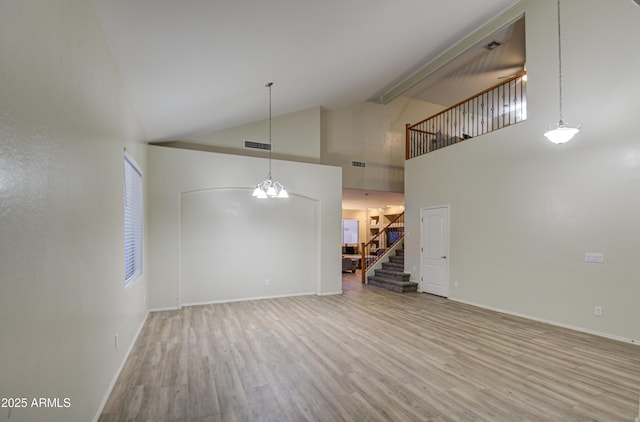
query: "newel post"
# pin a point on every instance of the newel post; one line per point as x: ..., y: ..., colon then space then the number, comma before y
x: 407, y: 137
x: 363, y: 263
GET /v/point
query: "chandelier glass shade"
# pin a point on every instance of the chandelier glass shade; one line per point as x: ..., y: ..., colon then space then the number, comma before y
x: 269, y: 188
x: 562, y: 133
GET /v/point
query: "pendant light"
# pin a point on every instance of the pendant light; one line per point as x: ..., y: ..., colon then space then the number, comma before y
x: 562, y: 133
x: 269, y: 188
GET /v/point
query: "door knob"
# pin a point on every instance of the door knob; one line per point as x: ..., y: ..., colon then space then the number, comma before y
x: 443, y: 257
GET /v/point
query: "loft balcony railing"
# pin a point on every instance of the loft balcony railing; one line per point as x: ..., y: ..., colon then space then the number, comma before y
x: 375, y: 249
x: 502, y: 105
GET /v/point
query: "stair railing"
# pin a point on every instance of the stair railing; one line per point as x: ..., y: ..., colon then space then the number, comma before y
x: 373, y: 250
x: 499, y: 106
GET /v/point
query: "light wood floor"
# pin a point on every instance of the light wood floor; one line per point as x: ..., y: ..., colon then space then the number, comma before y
x: 369, y: 355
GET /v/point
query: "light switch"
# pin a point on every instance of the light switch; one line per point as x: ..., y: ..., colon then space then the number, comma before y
x: 593, y: 257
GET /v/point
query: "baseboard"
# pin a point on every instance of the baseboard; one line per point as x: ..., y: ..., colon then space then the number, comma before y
x: 555, y: 323
x: 169, y: 308
x: 243, y: 299
x: 115, y: 377
x: 330, y: 293
x: 246, y: 299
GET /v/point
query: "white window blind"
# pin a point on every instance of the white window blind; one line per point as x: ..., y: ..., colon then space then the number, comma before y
x: 132, y: 220
x: 350, y: 232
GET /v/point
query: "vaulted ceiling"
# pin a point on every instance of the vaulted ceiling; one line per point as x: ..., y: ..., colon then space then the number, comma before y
x: 197, y: 66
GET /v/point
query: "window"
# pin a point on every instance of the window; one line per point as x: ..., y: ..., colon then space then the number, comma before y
x: 132, y: 220
x: 349, y: 232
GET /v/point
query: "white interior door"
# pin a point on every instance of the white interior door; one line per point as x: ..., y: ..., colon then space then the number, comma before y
x: 434, y: 259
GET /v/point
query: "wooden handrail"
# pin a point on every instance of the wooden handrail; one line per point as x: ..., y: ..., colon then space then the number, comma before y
x: 366, y: 257
x: 423, y: 131
x: 458, y: 104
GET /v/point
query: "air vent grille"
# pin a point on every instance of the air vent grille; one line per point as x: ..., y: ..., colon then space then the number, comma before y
x: 358, y: 164
x: 492, y: 45
x: 257, y: 145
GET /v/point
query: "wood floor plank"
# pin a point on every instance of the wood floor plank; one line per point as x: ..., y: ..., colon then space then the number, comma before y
x: 369, y: 354
x: 263, y: 404
x: 202, y: 395
x: 232, y: 398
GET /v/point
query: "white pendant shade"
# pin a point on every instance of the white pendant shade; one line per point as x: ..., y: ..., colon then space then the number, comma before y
x: 561, y: 134
x: 283, y: 193
x: 259, y: 193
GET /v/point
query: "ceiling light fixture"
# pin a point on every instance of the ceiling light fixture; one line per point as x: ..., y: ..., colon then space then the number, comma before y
x: 268, y: 188
x: 562, y: 133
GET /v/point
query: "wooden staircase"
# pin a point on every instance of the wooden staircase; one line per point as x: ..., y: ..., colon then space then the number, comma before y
x: 392, y: 275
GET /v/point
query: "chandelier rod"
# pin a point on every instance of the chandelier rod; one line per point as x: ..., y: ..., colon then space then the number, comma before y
x: 268, y: 85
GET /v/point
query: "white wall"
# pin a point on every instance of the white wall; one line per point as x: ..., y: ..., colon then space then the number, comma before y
x: 373, y: 133
x: 229, y: 243
x: 295, y: 135
x: 214, y: 177
x: 525, y: 211
x: 64, y: 123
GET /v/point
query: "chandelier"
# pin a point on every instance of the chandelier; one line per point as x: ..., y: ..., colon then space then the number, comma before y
x: 269, y: 188
x: 562, y: 133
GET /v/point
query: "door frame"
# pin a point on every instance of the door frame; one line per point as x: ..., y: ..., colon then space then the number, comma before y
x: 423, y: 211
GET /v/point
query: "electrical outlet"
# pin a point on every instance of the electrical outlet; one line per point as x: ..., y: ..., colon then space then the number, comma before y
x: 456, y: 284
x: 594, y: 257
x: 598, y: 311
x: 267, y: 282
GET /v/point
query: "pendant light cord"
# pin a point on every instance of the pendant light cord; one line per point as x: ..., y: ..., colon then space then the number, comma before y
x: 559, y: 65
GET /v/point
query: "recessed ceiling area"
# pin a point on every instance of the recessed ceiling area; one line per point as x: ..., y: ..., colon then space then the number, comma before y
x: 498, y: 56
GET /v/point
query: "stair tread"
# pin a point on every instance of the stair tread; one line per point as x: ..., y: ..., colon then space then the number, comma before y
x: 392, y: 281
x: 392, y: 272
x: 394, y: 285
